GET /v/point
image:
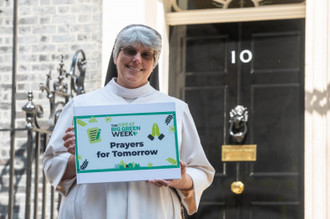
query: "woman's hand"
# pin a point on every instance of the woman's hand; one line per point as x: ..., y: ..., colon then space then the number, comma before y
x: 69, y: 143
x: 69, y: 140
x: 185, y: 183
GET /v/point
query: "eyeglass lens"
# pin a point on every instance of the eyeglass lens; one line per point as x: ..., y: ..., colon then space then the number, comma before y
x: 131, y: 52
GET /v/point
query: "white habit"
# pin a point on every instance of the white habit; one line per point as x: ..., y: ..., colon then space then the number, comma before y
x: 127, y: 200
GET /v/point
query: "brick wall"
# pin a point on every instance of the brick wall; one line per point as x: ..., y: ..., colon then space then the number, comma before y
x: 46, y: 30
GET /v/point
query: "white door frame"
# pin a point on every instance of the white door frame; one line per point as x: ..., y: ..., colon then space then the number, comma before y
x: 207, y: 16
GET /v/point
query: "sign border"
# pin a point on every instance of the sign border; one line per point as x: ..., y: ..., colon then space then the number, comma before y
x: 135, y: 169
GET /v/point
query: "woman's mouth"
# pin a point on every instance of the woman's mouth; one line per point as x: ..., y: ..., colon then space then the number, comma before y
x: 134, y: 69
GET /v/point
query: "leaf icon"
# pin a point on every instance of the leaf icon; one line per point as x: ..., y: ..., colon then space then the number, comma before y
x: 81, y: 123
x: 171, y: 160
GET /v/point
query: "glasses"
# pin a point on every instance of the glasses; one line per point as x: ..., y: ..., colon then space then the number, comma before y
x: 131, y: 52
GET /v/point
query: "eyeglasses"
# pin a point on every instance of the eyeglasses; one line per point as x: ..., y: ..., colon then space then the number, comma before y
x: 131, y: 52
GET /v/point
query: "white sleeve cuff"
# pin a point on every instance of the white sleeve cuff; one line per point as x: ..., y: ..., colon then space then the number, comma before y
x: 64, y: 186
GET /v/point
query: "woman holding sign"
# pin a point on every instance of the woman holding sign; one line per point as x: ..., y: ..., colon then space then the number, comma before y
x: 135, y: 56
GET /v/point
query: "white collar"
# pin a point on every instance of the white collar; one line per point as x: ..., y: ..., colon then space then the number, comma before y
x: 144, y: 90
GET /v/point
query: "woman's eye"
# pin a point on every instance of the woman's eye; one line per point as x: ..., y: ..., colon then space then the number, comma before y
x: 131, y: 51
x: 147, y: 55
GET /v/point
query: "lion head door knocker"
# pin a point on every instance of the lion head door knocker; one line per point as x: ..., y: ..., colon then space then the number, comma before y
x: 238, y: 123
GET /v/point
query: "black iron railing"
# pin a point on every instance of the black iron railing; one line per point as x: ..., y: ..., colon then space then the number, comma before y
x: 38, y: 134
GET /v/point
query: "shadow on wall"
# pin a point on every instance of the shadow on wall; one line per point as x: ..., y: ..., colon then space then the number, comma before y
x: 318, y: 101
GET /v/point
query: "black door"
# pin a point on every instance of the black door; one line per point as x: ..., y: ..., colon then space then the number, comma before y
x: 259, y: 65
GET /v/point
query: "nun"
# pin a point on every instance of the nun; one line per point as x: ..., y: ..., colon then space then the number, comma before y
x: 132, y: 70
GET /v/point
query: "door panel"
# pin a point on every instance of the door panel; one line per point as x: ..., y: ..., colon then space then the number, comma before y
x: 213, y: 74
x: 273, y: 59
x: 273, y: 211
x: 211, y: 103
x: 273, y: 111
x: 204, y: 54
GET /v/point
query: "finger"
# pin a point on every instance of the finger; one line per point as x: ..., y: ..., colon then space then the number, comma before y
x: 164, y: 182
x: 69, y: 142
x: 183, y: 166
x: 150, y: 181
x: 69, y: 145
x: 155, y: 183
x: 72, y: 149
x: 158, y: 184
x: 161, y: 182
x: 67, y: 136
x: 69, y: 129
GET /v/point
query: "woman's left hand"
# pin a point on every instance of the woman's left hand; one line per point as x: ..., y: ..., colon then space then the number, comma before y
x: 185, y: 183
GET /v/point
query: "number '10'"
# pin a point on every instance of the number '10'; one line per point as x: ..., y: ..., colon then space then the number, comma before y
x: 241, y: 56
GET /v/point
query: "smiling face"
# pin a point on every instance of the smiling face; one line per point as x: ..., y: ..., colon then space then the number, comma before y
x: 134, y: 70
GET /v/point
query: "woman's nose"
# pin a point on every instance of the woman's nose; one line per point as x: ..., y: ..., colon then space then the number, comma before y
x: 137, y: 58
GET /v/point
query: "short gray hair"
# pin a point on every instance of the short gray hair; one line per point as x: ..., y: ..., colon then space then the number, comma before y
x: 139, y: 34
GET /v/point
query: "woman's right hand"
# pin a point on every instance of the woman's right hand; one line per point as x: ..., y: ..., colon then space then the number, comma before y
x: 69, y: 143
x: 69, y: 140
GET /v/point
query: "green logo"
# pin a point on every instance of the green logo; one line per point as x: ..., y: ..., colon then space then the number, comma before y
x: 94, y: 135
x: 124, y: 129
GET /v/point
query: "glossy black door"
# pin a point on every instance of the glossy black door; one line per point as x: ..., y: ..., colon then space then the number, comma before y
x: 259, y: 65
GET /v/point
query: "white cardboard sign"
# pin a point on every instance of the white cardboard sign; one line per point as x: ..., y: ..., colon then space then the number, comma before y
x: 131, y: 142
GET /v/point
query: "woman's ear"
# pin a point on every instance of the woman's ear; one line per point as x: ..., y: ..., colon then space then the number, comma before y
x: 115, y: 60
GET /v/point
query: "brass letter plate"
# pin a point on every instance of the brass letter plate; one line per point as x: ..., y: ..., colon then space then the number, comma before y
x: 239, y: 153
